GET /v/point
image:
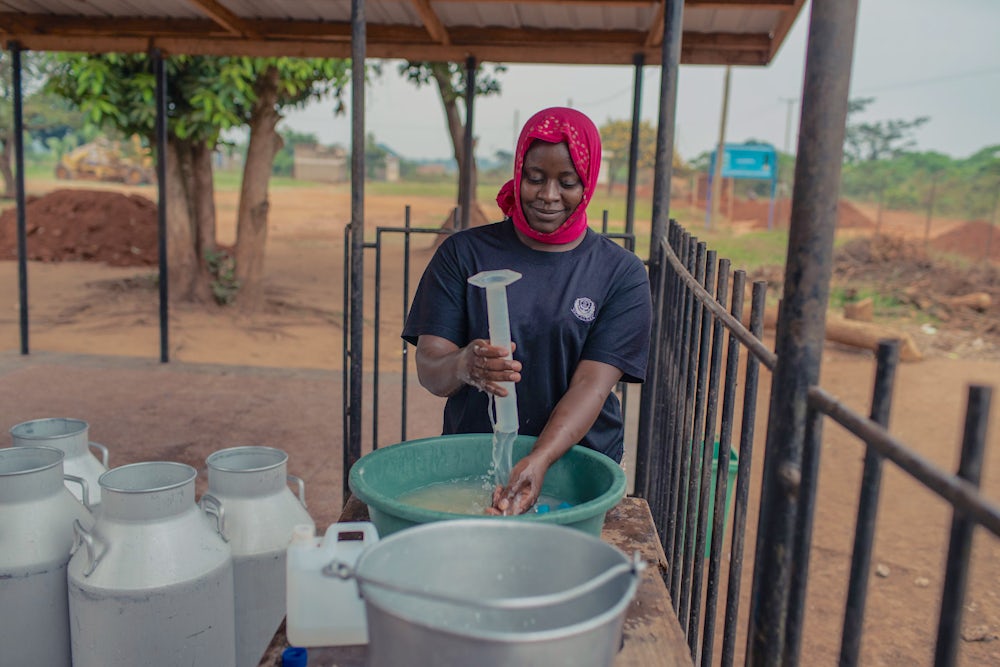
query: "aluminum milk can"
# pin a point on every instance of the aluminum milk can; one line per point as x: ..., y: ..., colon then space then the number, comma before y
x: 152, y: 583
x: 249, y: 485
x: 36, y: 534
x: 71, y: 436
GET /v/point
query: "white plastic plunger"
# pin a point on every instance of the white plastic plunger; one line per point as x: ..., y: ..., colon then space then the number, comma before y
x: 495, y: 283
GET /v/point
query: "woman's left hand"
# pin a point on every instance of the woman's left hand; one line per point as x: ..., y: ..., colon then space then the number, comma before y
x: 523, y: 488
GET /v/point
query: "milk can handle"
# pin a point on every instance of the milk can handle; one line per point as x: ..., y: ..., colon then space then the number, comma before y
x: 102, y: 449
x: 341, y: 570
x: 212, y: 505
x: 83, y: 485
x: 82, y: 537
x: 300, y: 483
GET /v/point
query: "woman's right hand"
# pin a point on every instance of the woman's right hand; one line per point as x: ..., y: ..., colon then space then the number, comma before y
x: 485, y: 366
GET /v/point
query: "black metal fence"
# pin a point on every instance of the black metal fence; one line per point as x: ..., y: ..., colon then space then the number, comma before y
x: 700, y: 353
x: 711, y: 356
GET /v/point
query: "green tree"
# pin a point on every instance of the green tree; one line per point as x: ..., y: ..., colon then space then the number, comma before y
x: 450, y: 81
x: 206, y: 95
x: 45, y: 116
x: 616, y: 140
x: 882, y: 140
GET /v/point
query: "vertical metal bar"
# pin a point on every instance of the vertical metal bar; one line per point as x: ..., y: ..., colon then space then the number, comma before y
x: 662, y: 448
x: 345, y: 348
x: 648, y: 455
x: 676, y: 398
x: 638, y: 60
x: 686, y: 440
x: 406, y: 310
x: 887, y: 357
x: 359, y: 44
x: 376, y: 347
x: 160, y: 73
x: 802, y: 317
x: 22, y: 221
x: 662, y: 172
x: 708, y: 449
x: 748, y: 425
x: 468, y: 197
x: 956, y: 576
x: 802, y: 539
x: 722, y: 472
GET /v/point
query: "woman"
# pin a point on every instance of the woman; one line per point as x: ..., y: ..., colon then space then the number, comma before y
x: 579, y: 316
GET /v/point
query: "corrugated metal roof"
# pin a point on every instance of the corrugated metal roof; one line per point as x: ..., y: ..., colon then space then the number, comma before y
x: 745, y: 32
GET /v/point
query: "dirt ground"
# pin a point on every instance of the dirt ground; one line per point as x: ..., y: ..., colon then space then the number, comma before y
x: 274, y: 378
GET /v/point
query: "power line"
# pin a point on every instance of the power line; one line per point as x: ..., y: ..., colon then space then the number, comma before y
x: 934, y: 79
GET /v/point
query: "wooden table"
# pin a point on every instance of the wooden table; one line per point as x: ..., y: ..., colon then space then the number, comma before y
x: 652, y: 636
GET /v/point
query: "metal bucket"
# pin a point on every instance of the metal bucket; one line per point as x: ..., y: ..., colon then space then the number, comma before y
x: 36, y: 534
x: 71, y: 436
x: 494, y: 594
x: 152, y: 583
x: 250, y: 486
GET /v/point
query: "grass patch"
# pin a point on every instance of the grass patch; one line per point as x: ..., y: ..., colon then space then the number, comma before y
x: 749, y: 251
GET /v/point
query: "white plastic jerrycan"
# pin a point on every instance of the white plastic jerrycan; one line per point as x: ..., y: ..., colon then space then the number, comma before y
x: 322, y: 609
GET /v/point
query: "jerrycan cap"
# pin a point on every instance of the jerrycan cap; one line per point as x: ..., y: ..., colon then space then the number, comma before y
x: 294, y: 656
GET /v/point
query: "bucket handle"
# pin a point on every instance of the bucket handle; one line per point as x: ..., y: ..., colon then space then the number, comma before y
x: 102, y: 449
x: 634, y: 567
x: 301, y: 486
x: 82, y: 537
x: 212, y: 505
x: 83, y: 485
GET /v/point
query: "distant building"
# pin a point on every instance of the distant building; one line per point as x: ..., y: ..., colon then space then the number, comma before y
x: 432, y: 169
x: 325, y: 164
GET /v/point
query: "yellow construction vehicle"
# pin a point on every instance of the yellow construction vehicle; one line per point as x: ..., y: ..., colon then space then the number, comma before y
x: 103, y: 160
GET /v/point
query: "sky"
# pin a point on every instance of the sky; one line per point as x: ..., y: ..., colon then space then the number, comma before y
x: 915, y: 57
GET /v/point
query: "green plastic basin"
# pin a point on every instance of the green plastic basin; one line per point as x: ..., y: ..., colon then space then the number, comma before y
x: 591, y: 482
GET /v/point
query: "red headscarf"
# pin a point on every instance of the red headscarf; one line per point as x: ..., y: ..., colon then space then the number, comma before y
x: 556, y: 125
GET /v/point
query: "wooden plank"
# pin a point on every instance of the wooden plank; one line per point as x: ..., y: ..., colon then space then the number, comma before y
x: 652, y: 635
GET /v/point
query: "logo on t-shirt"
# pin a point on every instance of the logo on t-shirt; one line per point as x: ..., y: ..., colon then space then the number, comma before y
x: 584, y: 309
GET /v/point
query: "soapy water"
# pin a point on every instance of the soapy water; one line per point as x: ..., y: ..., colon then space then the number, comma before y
x: 465, y: 495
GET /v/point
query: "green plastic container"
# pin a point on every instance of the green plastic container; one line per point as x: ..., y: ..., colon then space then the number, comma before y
x: 591, y: 482
x: 734, y: 464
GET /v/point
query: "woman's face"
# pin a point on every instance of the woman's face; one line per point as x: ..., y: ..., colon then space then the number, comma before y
x: 550, y: 187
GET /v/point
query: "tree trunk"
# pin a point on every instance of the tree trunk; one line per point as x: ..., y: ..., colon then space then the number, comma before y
x: 204, y: 203
x: 6, y: 156
x: 251, y: 221
x: 183, y: 263
x: 456, y: 130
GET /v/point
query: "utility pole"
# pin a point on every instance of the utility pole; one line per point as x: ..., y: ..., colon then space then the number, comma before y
x: 716, y: 181
x: 790, y: 101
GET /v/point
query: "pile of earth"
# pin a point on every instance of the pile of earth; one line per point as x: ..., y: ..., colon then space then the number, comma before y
x: 756, y: 211
x: 84, y: 225
x: 973, y: 240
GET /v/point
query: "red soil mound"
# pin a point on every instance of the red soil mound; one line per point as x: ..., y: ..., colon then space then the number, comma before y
x: 756, y: 210
x: 970, y: 240
x: 84, y: 225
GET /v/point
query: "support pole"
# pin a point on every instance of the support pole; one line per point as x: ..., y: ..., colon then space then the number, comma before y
x: 633, y: 148
x: 662, y: 172
x: 22, y: 221
x: 160, y: 74
x: 466, y: 194
x: 801, y: 321
x: 715, y: 183
x: 359, y: 39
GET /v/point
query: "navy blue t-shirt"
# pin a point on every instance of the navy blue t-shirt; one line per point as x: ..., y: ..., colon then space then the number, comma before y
x: 591, y: 302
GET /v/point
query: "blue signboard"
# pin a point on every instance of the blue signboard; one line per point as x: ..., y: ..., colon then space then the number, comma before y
x: 747, y: 161
x: 756, y: 161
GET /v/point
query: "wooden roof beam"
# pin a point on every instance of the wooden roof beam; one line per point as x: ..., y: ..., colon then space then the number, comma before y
x: 779, y: 5
x: 225, y: 18
x: 430, y: 19
x: 655, y: 36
